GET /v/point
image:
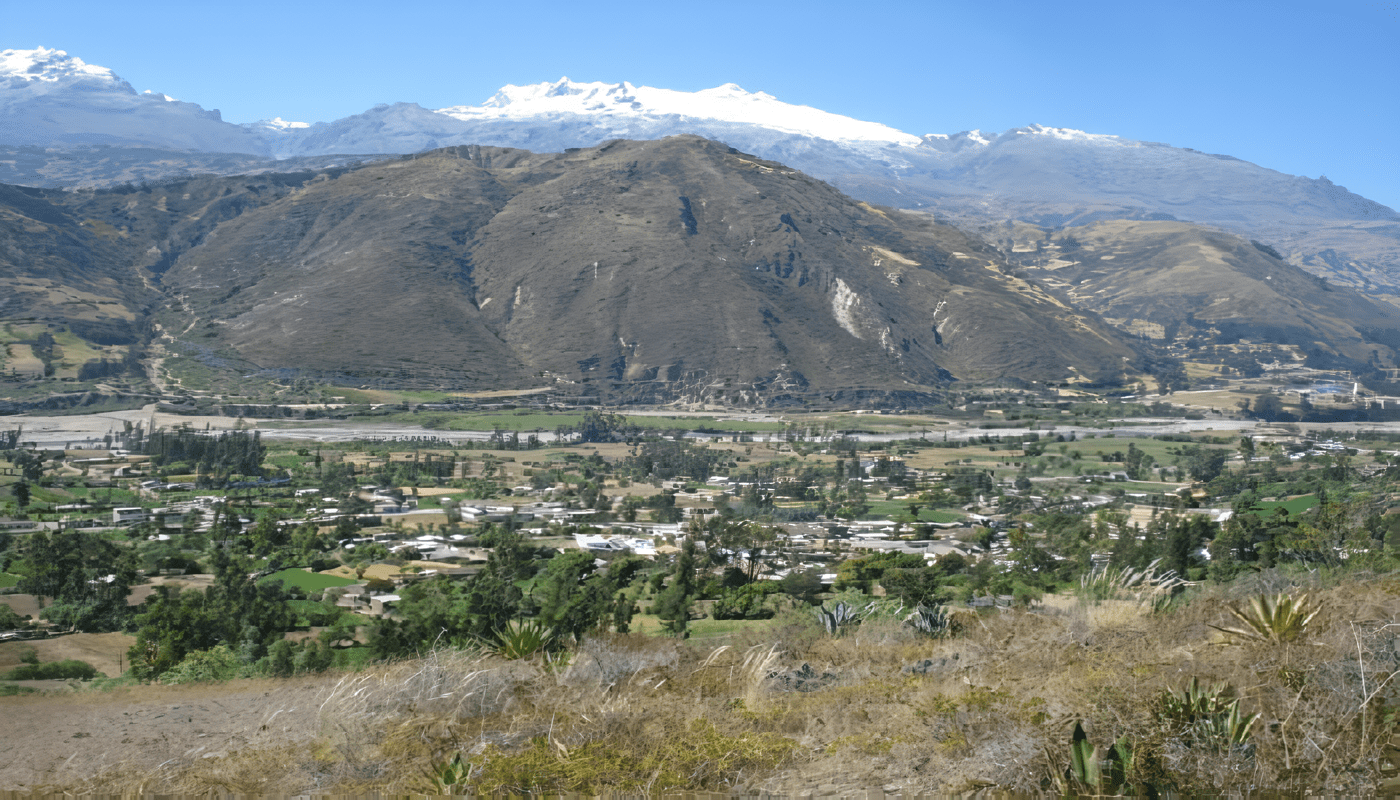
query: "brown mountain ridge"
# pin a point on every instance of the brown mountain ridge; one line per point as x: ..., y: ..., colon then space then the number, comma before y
x: 662, y: 270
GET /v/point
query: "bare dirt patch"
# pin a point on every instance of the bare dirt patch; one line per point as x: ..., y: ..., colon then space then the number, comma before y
x: 25, y: 605
x: 91, y: 739
x: 105, y: 651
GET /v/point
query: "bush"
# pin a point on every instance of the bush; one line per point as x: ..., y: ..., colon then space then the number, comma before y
x: 53, y: 670
x: 11, y: 621
x: 218, y: 663
x: 745, y: 602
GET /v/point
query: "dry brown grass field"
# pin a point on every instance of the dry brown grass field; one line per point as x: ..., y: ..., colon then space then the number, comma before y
x: 774, y: 708
x: 105, y: 651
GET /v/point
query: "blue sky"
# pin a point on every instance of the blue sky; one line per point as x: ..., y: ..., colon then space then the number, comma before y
x: 1304, y: 88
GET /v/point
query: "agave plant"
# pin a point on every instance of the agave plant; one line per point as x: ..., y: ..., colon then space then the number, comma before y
x: 522, y: 639
x: 1209, y: 714
x: 1096, y: 770
x: 1281, y: 618
x: 835, y: 619
x: 935, y: 622
x: 446, y: 776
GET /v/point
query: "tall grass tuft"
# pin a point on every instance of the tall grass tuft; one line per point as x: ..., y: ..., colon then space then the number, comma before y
x: 1146, y: 586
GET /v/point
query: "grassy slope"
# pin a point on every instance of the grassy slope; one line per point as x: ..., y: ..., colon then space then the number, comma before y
x: 994, y: 708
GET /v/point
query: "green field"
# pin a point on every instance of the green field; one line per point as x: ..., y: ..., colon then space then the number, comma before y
x: 7, y: 580
x: 700, y: 629
x: 308, y: 581
x: 881, y: 509
x: 1294, y: 506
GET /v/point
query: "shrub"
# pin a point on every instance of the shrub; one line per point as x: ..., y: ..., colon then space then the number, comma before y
x: 744, y: 603
x: 53, y: 670
x: 218, y: 663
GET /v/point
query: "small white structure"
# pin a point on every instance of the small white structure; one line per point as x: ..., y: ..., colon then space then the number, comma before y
x: 128, y: 516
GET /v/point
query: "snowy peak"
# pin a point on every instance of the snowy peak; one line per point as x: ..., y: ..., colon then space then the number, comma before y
x: 51, y: 99
x: 978, y: 139
x: 43, y: 65
x: 1066, y: 134
x: 728, y: 104
x: 277, y: 124
x: 563, y: 95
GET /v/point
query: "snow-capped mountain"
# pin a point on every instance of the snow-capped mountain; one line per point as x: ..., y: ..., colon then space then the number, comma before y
x: 1044, y: 175
x: 51, y: 99
x: 624, y: 104
x: 1034, y: 164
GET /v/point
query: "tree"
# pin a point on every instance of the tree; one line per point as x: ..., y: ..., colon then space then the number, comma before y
x: 673, y: 604
x: 1204, y: 463
x: 1247, y: 449
x: 88, y: 577
x: 1269, y: 408
x: 21, y: 491
x: 575, y: 599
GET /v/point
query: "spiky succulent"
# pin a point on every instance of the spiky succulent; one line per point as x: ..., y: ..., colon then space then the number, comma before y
x: 1282, y: 618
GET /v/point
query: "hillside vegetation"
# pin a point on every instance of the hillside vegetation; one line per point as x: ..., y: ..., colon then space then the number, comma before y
x: 786, y: 707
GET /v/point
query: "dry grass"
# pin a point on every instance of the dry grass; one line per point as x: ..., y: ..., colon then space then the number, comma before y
x: 785, y: 709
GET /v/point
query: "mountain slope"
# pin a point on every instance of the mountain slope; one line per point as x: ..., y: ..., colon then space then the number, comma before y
x: 678, y: 269
x: 679, y: 264
x: 1043, y: 175
x: 1172, y: 282
x: 57, y: 267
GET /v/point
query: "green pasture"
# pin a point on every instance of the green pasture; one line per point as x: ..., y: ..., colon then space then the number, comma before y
x: 308, y: 581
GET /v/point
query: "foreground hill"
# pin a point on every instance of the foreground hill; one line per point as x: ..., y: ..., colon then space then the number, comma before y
x: 778, y: 708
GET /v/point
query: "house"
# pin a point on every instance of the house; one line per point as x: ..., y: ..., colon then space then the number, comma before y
x: 128, y: 516
x: 382, y: 604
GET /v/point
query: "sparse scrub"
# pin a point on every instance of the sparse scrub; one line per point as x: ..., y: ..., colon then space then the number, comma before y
x: 882, y: 706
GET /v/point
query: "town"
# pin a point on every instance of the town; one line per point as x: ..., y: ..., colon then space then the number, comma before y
x: 196, y: 555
